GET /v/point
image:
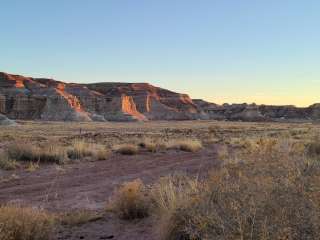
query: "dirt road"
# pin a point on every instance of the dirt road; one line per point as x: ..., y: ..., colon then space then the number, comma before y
x: 88, y: 185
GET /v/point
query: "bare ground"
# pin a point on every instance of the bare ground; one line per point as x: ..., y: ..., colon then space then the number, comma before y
x: 88, y: 185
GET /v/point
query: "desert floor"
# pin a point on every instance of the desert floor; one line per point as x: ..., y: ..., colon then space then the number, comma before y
x: 87, y: 184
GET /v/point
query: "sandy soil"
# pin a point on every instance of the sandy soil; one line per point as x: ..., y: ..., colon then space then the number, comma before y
x: 88, y: 185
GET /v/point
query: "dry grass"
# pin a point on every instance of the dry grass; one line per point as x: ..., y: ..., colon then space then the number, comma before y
x: 23, y: 152
x: 126, y: 149
x: 314, y: 149
x: 187, y: 145
x: 32, y: 167
x: 53, y: 154
x: 80, y: 149
x: 172, y: 195
x: 100, y: 153
x: 26, y: 152
x: 130, y: 201
x: 18, y: 223
x: 6, y: 163
x: 267, y: 192
x: 77, y: 218
x: 149, y: 144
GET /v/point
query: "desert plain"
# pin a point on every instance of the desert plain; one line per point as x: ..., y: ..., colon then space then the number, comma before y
x: 116, y: 180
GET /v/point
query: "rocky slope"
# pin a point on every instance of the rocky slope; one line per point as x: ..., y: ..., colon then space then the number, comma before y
x: 47, y: 99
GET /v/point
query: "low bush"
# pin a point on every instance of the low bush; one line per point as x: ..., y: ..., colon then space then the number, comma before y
x: 130, y: 201
x: 26, y: 152
x: 126, y: 149
x: 23, y: 152
x: 6, y: 163
x: 273, y: 194
x: 80, y: 149
x: 18, y: 223
x: 187, y: 145
x: 149, y: 144
x: 79, y: 217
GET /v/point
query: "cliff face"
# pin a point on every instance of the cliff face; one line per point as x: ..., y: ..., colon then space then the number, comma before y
x: 47, y: 99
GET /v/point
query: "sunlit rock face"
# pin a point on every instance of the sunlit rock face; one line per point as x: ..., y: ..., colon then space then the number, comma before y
x: 50, y: 100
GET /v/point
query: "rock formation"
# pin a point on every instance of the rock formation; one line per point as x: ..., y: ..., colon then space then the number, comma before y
x: 50, y: 100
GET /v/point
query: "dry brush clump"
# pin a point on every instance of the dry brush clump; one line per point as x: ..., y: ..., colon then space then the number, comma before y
x: 80, y: 149
x: 78, y: 217
x: 21, y: 223
x: 126, y: 149
x: 6, y: 163
x: 187, y: 145
x: 153, y: 145
x: 130, y: 201
x: 275, y: 196
x: 26, y: 152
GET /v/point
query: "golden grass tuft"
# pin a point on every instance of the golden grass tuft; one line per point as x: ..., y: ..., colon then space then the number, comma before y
x: 149, y: 144
x: 79, y: 217
x: 100, y: 153
x: 18, y: 223
x: 32, y: 166
x: 173, y: 198
x: 187, y: 145
x: 53, y: 154
x: 130, y: 201
x: 126, y: 149
x: 27, y: 152
x: 23, y: 152
x: 6, y: 163
x: 80, y: 149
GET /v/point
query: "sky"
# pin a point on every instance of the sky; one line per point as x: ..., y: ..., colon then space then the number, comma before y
x: 231, y: 51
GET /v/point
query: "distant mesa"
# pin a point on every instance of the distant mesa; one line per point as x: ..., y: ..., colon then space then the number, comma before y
x: 28, y: 98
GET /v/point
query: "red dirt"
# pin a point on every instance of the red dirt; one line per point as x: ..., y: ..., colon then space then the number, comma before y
x: 88, y: 185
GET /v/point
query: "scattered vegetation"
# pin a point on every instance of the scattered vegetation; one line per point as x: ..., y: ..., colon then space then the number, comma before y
x: 149, y: 144
x: 314, y: 149
x: 79, y: 217
x: 271, y: 196
x: 53, y: 154
x: 268, y: 189
x: 185, y: 145
x: 23, y: 152
x: 27, y: 152
x: 80, y: 149
x: 130, y: 201
x: 126, y: 149
x: 18, y: 223
x: 32, y: 167
x: 6, y: 163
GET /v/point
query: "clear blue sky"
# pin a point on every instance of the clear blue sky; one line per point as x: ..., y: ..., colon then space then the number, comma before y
x: 264, y: 51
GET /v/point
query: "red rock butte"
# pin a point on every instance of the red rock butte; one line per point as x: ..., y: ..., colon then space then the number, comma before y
x: 45, y: 99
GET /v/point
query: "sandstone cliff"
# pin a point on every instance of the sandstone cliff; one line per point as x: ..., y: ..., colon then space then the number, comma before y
x: 47, y: 99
